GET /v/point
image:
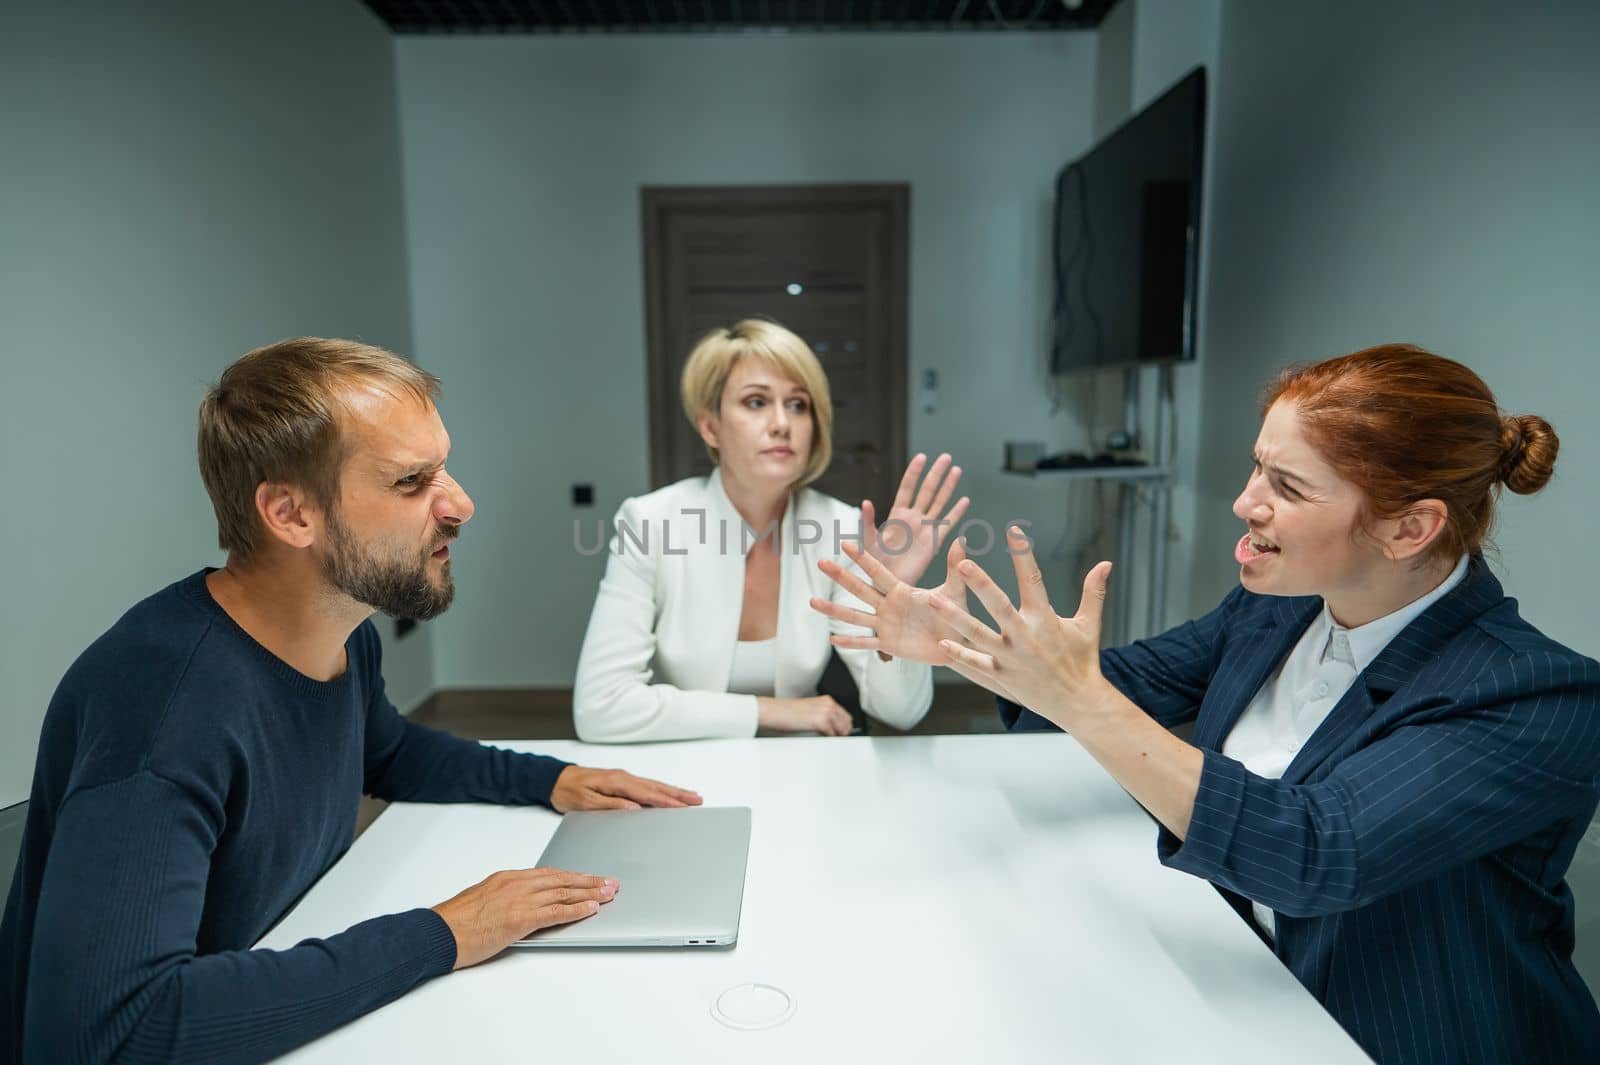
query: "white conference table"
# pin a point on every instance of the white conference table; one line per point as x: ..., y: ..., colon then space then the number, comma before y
x: 986, y: 898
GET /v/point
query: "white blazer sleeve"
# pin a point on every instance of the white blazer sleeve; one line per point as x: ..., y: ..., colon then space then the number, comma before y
x: 613, y: 699
x: 897, y: 692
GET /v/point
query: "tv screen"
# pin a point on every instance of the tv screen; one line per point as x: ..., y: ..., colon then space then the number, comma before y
x: 1127, y: 239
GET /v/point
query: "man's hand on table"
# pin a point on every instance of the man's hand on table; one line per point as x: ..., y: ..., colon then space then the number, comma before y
x: 581, y: 788
x: 489, y: 917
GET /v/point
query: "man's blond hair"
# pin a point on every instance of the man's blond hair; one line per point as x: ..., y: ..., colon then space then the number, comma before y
x: 276, y: 416
x: 713, y: 359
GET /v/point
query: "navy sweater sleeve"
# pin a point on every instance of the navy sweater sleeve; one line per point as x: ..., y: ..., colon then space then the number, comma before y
x: 1165, y: 676
x: 408, y: 762
x: 115, y: 973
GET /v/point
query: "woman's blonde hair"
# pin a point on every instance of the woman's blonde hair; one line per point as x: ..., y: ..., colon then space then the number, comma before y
x: 713, y: 359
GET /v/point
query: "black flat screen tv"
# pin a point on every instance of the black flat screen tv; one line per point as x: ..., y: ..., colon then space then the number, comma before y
x: 1127, y: 239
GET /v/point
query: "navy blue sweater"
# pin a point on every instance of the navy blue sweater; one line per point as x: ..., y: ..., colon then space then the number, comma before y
x: 190, y: 787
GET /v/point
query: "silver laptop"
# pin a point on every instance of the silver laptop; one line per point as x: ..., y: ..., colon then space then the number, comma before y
x: 681, y: 874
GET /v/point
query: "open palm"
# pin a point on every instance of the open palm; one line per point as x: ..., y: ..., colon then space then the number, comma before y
x: 903, y: 621
x: 918, y: 519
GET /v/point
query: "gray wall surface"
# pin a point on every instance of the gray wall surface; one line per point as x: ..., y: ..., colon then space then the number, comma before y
x: 1400, y: 176
x: 181, y: 182
x: 523, y: 162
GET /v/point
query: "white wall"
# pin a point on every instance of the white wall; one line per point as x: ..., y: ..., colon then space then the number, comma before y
x: 1386, y: 173
x: 523, y: 162
x: 180, y: 182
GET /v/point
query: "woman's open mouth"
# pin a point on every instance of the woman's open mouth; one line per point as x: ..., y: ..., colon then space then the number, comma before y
x: 1253, y: 547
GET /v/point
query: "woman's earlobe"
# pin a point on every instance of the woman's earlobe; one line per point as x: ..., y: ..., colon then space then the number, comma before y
x: 1420, y: 526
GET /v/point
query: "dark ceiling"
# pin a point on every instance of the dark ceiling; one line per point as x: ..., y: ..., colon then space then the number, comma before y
x: 723, y: 16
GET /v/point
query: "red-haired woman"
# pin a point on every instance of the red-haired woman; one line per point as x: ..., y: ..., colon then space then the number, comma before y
x: 1390, y: 769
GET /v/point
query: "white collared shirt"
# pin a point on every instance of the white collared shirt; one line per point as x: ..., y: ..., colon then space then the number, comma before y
x: 1309, y: 684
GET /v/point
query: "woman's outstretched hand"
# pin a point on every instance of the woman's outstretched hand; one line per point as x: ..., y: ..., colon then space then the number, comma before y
x: 1049, y: 664
x: 902, y: 619
x: 918, y: 521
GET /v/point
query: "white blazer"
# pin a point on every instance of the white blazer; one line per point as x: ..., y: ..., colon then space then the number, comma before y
x: 659, y: 650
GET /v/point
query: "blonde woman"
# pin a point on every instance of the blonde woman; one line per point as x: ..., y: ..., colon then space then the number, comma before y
x: 702, y: 626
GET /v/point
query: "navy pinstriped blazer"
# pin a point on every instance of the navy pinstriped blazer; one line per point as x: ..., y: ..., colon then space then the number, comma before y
x: 1415, y: 848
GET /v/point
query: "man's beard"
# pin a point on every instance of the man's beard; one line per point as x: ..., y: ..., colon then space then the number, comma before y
x: 398, y: 587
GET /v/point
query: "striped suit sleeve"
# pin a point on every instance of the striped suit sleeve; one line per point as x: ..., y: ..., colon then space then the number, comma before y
x: 1512, y: 755
x: 1166, y: 676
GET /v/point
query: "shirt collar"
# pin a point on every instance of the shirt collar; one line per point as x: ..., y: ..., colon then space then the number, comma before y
x: 1367, y: 641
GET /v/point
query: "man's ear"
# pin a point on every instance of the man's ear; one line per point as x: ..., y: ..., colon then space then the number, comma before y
x: 1409, y: 535
x: 288, y: 513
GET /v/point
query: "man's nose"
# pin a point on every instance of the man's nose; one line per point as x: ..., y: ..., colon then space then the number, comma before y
x: 455, y: 507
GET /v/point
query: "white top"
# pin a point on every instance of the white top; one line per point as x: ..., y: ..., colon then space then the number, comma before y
x: 941, y: 900
x: 658, y: 655
x: 1308, y: 685
x: 754, y: 663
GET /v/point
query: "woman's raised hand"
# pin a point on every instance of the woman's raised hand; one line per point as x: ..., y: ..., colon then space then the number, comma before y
x: 1049, y: 664
x: 902, y: 621
x: 918, y: 521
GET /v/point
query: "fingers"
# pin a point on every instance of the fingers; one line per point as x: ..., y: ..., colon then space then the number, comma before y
x: 991, y: 595
x: 836, y: 719
x: 643, y: 791
x: 569, y: 896
x: 509, y: 904
x: 882, y: 580
x: 546, y: 878
x: 1093, y: 603
x: 552, y: 914
x: 953, y: 520
x: 954, y: 585
x: 602, y: 801
x: 930, y: 485
x: 1030, y: 582
x: 982, y: 680
x: 655, y: 793
x: 969, y: 662
x: 856, y: 643
x: 683, y: 795
x: 951, y: 475
x: 848, y: 581
x: 964, y: 623
x: 908, y: 483
x: 869, y: 526
x: 848, y: 615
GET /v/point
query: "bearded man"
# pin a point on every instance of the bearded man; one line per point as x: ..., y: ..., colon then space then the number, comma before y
x: 201, y: 763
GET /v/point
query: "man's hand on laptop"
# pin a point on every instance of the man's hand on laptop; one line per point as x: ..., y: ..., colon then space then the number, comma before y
x: 581, y: 788
x: 489, y: 917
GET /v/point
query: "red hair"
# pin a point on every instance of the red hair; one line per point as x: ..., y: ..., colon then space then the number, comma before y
x: 1404, y: 425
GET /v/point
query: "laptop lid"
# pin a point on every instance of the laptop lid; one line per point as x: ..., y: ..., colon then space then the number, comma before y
x: 680, y: 872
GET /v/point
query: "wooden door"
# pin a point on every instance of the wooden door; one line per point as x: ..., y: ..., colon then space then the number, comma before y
x: 828, y: 262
